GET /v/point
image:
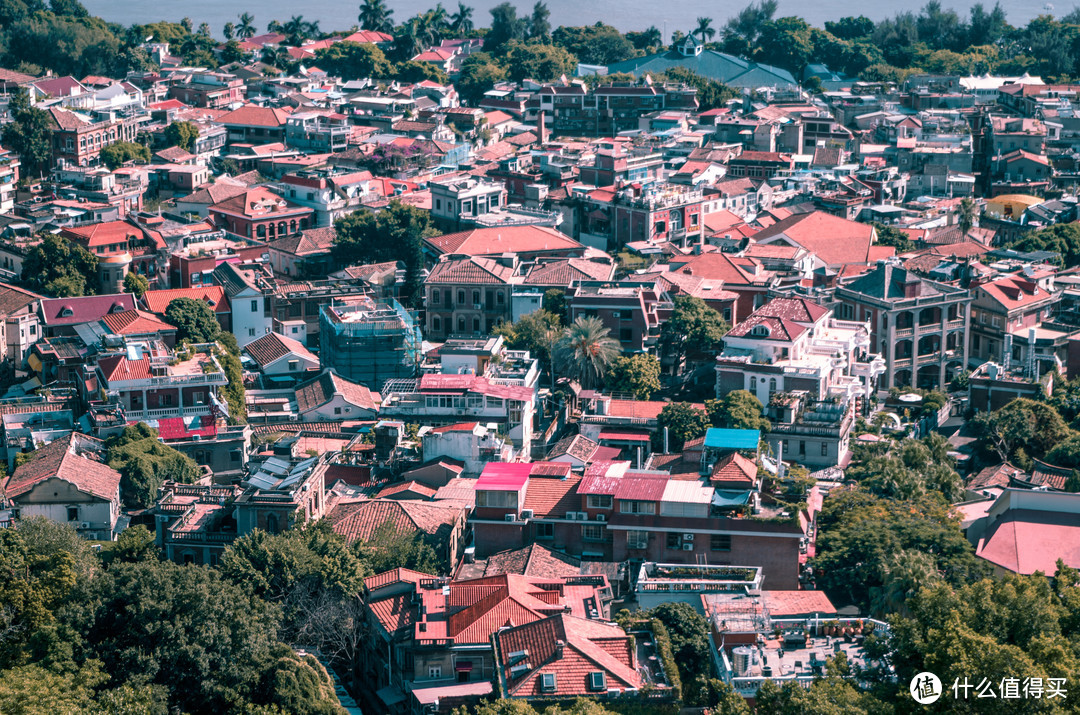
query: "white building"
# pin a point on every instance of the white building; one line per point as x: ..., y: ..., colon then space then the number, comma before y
x: 249, y: 300
x: 68, y: 482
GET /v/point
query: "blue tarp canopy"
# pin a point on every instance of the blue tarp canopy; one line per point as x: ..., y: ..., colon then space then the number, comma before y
x: 727, y: 498
x: 717, y: 438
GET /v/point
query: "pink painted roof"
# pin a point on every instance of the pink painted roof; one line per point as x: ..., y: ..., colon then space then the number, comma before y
x: 504, y: 476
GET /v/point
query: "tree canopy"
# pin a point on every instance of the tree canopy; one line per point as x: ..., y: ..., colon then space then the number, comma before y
x: 59, y: 267
x: 738, y: 409
x: 194, y: 320
x: 693, y: 330
x: 145, y: 463
x: 683, y: 422
x: 638, y: 375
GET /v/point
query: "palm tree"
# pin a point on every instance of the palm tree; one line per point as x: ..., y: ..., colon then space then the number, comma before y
x: 438, y: 18
x: 407, y: 42
x: 375, y: 16
x: 585, y: 351
x: 652, y: 37
x: 312, y: 29
x: 705, y: 29
x: 247, y: 26
x: 229, y: 31
x: 967, y: 216
x: 904, y: 576
x: 296, y: 29
x: 461, y: 21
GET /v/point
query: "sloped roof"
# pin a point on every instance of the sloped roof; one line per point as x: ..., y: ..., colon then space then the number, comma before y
x: 586, y: 647
x: 886, y: 282
x: 359, y: 520
x: 800, y: 310
x: 308, y: 242
x: 563, y: 272
x: 1026, y: 540
x: 472, y: 270
x: 76, y: 459
x: 136, y: 322
x: 251, y: 115
x: 258, y: 202
x: 13, y: 299
x: 833, y: 239
x: 504, y: 239
x: 84, y: 309
x: 533, y: 560
x: 1014, y: 292
x: 273, y: 346
x: 729, y: 69
x: 157, y: 301
x: 734, y: 470
x: 214, y: 194
x: 322, y: 389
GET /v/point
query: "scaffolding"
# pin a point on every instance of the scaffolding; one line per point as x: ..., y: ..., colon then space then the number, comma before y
x: 368, y: 342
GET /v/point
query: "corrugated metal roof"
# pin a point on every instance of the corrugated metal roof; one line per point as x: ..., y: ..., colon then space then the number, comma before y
x: 687, y: 492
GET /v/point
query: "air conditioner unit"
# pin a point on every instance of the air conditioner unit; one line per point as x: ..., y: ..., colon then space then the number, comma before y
x: 687, y: 547
x: 601, y: 517
x: 84, y: 525
x: 583, y: 516
x: 510, y: 517
x: 687, y: 537
x: 526, y: 513
x: 571, y: 516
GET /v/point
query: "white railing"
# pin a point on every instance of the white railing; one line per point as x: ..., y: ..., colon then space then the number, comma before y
x: 166, y: 412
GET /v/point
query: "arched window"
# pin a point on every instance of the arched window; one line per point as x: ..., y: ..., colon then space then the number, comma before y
x: 753, y: 383
x: 772, y: 385
x: 436, y: 324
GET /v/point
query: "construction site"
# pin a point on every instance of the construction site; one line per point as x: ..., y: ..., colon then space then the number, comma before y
x: 369, y: 342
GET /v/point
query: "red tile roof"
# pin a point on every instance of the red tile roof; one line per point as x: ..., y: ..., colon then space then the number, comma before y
x: 533, y: 560
x: 76, y: 459
x: 157, y: 301
x: 104, y: 234
x: 778, y: 328
x: 318, y: 392
x: 734, y: 471
x: 833, y: 239
x: 272, y: 347
x: 506, y: 239
x: 797, y: 604
x: 552, y: 496
x: 253, y: 116
x: 1013, y: 292
x: 84, y: 309
x: 186, y: 427
x: 571, y: 649
x: 470, y: 271
x: 258, y: 202
x: 1025, y: 541
x: 136, y: 322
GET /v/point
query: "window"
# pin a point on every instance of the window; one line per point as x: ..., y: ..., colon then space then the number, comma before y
x: 436, y: 296
x: 476, y: 297
x: 461, y: 324
x: 626, y: 334
x: 73, y: 513
x: 476, y: 325
x: 674, y: 541
x: 592, y: 532
x: 499, y: 500
x: 824, y: 449
x: 599, y: 501
x: 597, y: 681
x: 547, y: 682
x: 545, y: 531
x: 434, y: 672
x: 753, y: 383
x: 271, y: 523
x: 251, y: 332
x: 461, y: 297
x: 802, y: 447
x: 720, y: 542
x: 627, y: 506
x: 337, y: 410
x: 254, y: 306
x: 234, y: 456
x: 294, y: 365
x: 500, y: 297
x: 637, y: 539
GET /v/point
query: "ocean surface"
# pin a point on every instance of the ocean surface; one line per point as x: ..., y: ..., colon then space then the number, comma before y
x: 623, y: 14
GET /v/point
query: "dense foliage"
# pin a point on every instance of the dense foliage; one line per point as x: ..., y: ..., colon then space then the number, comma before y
x: 145, y: 463
x: 194, y: 320
x: 61, y: 268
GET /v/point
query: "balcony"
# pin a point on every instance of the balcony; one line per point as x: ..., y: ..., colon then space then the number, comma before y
x: 166, y: 412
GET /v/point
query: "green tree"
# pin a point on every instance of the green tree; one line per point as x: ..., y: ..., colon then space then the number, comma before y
x: 136, y: 283
x: 246, y: 28
x: 539, y: 25
x: 689, y: 633
x: 390, y: 548
x: 597, y: 44
x: 194, y: 320
x: 234, y: 392
x: 536, y: 332
x: 182, y: 134
x: 505, y: 27
x: 693, y: 331
x: 1023, y: 424
x: 966, y: 215
x: 232, y: 52
x: 394, y: 234
x: 850, y: 28
x: 585, y: 352
x: 353, y: 60
x: 59, y: 267
x: 891, y: 236
x: 554, y: 302
x: 542, y: 63
x: 313, y: 559
x: 28, y: 134
x: 118, y: 152
x: 704, y: 29
x: 479, y: 73
x: 738, y: 409
x: 375, y: 15
x: 786, y: 42
x: 461, y: 22
x: 638, y: 375
x: 145, y: 463
x: 859, y: 532
x: 1061, y: 238
x: 683, y: 422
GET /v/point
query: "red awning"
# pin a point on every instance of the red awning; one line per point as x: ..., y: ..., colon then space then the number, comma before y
x: 463, y: 666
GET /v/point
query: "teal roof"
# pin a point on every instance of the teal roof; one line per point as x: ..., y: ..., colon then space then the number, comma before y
x: 717, y: 438
x: 729, y: 69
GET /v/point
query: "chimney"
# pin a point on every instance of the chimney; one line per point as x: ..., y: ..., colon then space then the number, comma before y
x: 559, y: 646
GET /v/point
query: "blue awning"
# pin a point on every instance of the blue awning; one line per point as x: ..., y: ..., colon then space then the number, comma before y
x: 728, y: 498
x: 717, y: 438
